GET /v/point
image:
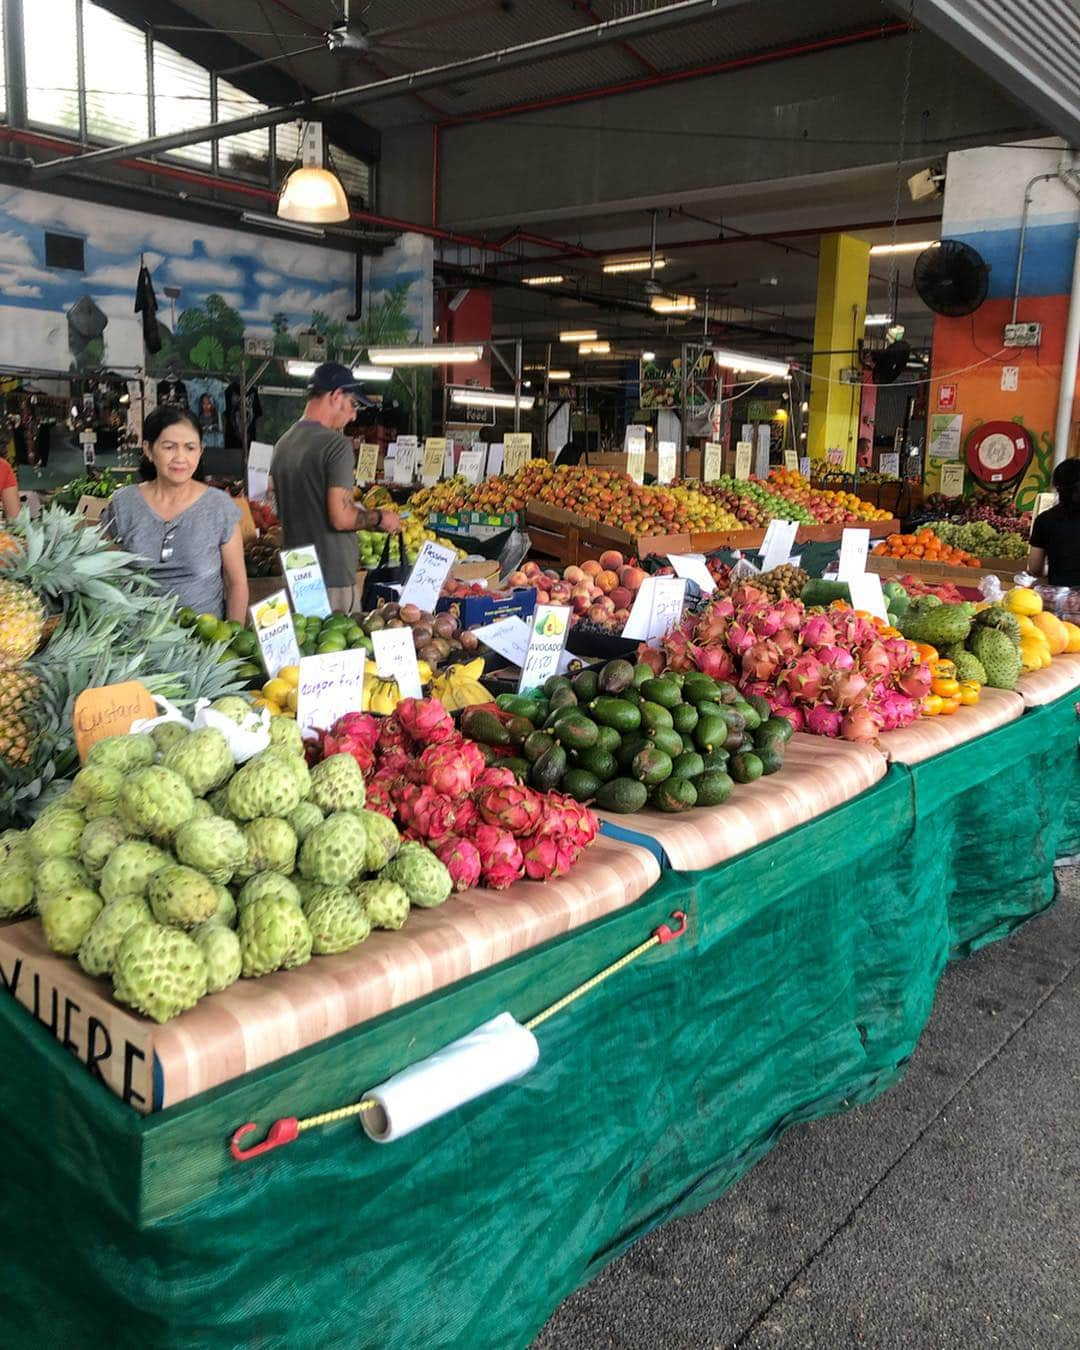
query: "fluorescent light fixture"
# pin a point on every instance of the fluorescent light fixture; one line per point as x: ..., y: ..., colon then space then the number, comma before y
x: 759, y: 365
x: 425, y: 356
x: 804, y: 407
x: 877, y: 250
x: 878, y: 320
x: 289, y: 226
x: 553, y: 280
x: 534, y: 365
x: 312, y: 193
x: 648, y: 356
x: 594, y: 348
x: 486, y: 398
x: 579, y: 335
x: 303, y: 370
x: 634, y: 265
x: 673, y: 304
x: 558, y: 375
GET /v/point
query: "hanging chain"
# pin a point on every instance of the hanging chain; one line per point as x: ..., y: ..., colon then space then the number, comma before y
x: 901, y: 147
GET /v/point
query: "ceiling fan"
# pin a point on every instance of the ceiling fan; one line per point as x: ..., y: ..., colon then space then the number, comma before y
x: 349, y: 35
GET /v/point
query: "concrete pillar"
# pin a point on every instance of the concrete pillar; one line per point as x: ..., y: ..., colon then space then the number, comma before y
x: 843, y: 276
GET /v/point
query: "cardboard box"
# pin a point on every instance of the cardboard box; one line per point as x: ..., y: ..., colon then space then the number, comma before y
x: 92, y: 508
x: 474, y: 611
x: 488, y: 571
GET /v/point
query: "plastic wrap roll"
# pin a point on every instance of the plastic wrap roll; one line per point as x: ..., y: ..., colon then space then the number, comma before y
x: 497, y: 1052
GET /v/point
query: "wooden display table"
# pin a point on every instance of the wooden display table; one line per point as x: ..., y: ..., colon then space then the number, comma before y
x: 1061, y: 676
x: 931, y: 736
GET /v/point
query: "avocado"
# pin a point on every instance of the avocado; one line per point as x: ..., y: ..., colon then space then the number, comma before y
x: 697, y: 686
x: 642, y: 672
x: 651, y: 766
x: 519, y: 729
x: 547, y: 772
x: 653, y: 716
x: 575, y: 731
x: 518, y: 767
x: 600, y: 763
x: 586, y: 685
x: 746, y: 767
x: 628, y: 748
x: 608, y: 739
x: 663, y: 691
x: 623, y: 795
x: 714, y: 787
x: 615, y: 676
x: 772, y: 758
x: 761, y: 706
x: 749, y: 715
x: 711, y: 734
x: 667, y: 740
x: 480, y: 725
x: 555, y: 682
x: 727, y: 692
x: 536, y: 744
x: 716, y: 759
x: 778, y: 726
x: 521, y: 706
x: 684, y: 717
x: 674, y: 795
x: 563, y: 697
x: 616, y: 712
x: 687, y: 765
x: 580, y: 784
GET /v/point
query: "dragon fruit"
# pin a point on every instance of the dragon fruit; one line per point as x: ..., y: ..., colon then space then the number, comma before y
x: 762, y: 660
x: 791, y: 614
x: 900, y: 652
x: 874, y: 660
x: 452, y: 767
x: 547, y: 855
x: 818, y: 632
x: 713, y: 661
x: 517, y: 809
x: 673, y: 655
x: 805, y: 679
x: 501, y: 860
x: 766, y: 622
x: 565, y: 816
x: 915, y: 681
x: 847, y: 688
x: 461, y: 858
x: 425, y: 720
x: 427, y: 814
x: 495, y: 777
x: 740, y: 638
x: 836, y: 658
x: 392, y: 736
x: 713, y: 625
x: 861, y: 724
x: 822, y: 720
x: 787, y: 644
x: 355, y: 734
x: 895, y: 709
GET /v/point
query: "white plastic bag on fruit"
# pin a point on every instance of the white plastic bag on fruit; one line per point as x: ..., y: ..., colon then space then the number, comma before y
x: 245, y: 739
x: 992, y: 589
x: 169, y: 713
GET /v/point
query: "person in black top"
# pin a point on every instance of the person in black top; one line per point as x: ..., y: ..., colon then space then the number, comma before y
x: 1055, y: 535
x: 572, y: 452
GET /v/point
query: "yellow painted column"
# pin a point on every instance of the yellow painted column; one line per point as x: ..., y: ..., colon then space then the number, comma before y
x: 843, y: 277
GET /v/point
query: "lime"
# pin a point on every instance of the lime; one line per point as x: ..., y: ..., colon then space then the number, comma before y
x: 308, y: 648
x: 222, y: 632
x: 206, y: 625
x: 186, y: 616
x: 336, y: 621
x: 244, y: 644
x: 250, y: 671
x: 234, y: 626
x: 331, y: 642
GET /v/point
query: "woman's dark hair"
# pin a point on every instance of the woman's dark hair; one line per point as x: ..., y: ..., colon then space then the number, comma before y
x: 159, y: 421
x: 1067, y: 481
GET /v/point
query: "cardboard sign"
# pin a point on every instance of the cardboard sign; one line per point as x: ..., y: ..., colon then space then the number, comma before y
x: 330, y: 686
x: 471, y: 465
x: 634, y: 443
x: 693, y: 567
x: 272, y: 621
x: 854, y: 546
x: 743, y: 452
x: 547, y: 638
x: 367, y: 463
x: 434, y: 459
x: 304, y: 578
x: 258, y: 469
x: 952, y: 480
x: 109, y: 710
x: 889, y: 462
x: 665, y: 461
x: 713, y: 462
x: 405, y: 459
x: 395, y: 659
x: 657, y: 608
x: 762, y: 447
x: 517, y: 451
x: 496, y: 453
x: 509, y: 637
x: 866, y: 594
x: 791, y: 461
x: 776, y: 546
x: 426, y: 580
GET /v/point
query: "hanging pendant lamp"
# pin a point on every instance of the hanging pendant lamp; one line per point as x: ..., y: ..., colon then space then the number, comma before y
x: 313, y: 194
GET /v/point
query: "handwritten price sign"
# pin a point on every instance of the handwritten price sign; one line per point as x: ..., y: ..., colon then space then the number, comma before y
x: 330, y: 686
x: 428, y: 576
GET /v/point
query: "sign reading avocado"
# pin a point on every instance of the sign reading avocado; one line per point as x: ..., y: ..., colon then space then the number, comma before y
x: 273, y: 625
x: 550, y: 625
x: 304, y: 578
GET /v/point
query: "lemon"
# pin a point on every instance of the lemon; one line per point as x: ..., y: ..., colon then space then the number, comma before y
x: 276, y: 690
x: 273, y: 708
x: 290, y: 700
x: 290, y: 674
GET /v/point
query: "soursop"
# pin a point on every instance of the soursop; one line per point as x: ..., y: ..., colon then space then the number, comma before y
x: 235, y: 708
x: 220, y: 947
x: 54, y: 876
x: 999, y: 657
x: 96, y: 783
x: 271, y: 847
x: 286, y: 735
x: 203, y: 760
x: 265, y: 786
x: 424, y: 878
x: 168, y: 734
x: 126, y: 753
x: 337, y: 784
x: 130, y: 868
x: 98, y: 841
x: 16, y: 886
x: 305, y: 817
x: 181, y: 896
x: 334, y: 852
x: 213, y: 845
x: 939, y: 625
x: 267, y: 883
x: 158, y: 971
x: 383, y: 840
x: 103, y: 938
x: 67, y: 916
x: 997, y: 616
x: 156, y: 802
x: 57, y: 834
x: 386, y: 902
x: 969, y: 667
x: 337, y: 919
x: 274, y: 935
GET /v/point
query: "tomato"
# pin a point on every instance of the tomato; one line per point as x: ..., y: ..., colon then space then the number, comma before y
x: 931, y: 705
x: 969, y: 693
x: 949, y: 705
x: 945, y: 686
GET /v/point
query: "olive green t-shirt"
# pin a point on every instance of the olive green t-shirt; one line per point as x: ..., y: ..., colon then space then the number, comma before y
x: 307, y: 461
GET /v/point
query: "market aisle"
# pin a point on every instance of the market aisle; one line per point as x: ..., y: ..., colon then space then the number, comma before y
x: 945, y: 1214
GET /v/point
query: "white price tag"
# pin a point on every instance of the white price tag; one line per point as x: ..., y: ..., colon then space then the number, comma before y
x: 434, y: 460
x: 449, y: 464
x: 854, y: 546
x: 258, y: 469
x: 330, y: 686
x: 657, y: 608
x: 304, y: 578
x: 693, y: 567
x: 665, y: 461
x: 496, y: 453
x: 367, y: 463
x: 471, y: 465
x: 866, y: 594
x: 776, y: 546
x: 952, y: 480
x: 890, y: 463
x: 426, y: 580
x: 713, y: 462
x: 272, y: 621
x: 804, y: 465
x: 634, y: 442
x: 395, y: 659
x: 405, y: 459
x: 509, y: 637
x: 518, y: 450
x: 743, y: 452
x: 547, y: 638
x: 791, y: 461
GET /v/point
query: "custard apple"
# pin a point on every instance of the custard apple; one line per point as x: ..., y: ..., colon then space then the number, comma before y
x: 226, y: 908
x: 130, y: 868
x: 383, y: 840
x: 286, y: 735
x: 274, y: 935
x: 267, y: 883
x: 16, y: 886
x: 96, y: 783
x: 66, y: 917
x: 265, y: 786
x: 181, y: 896
x: 214, y: 845
x: 296, y: 764
x: 126, y: 753
x: 333, y: 853
x: 14, y: 842
x: 387, y: 903
x: 158, y: 971
x: 156, y: 802
x: 56, y: 834
x: 53, y: 876
x: 203, y: 811
x: 100, y: 945
x: 167, y: 734
x: 304, y: 819
x: 424, y: 877
x: 337, y: 784
x: 220, y: 947
x: 98, y: 840
x: 337, y: 920
x: 235, y: 708
x: 271, y: 847
x: 203, y: 760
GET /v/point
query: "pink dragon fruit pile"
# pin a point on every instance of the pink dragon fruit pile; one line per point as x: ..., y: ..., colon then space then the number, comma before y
x: 487, y: 828
x: 830, y: 674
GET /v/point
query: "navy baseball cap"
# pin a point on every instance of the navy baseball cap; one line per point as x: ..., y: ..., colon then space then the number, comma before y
x: 330, y: 377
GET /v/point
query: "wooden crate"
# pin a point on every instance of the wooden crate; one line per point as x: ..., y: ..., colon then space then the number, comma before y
x: 926, y: 571
x: 709, y: 540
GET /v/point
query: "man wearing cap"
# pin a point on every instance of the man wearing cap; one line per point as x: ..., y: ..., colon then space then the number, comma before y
x: 313, y: 472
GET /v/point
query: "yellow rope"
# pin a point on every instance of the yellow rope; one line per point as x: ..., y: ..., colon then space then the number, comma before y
x: 330, y: 1117
x: 599, y: 978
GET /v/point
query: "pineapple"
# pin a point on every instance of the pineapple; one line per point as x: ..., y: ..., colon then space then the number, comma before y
x: 19, y: 692
x: 22, y: 618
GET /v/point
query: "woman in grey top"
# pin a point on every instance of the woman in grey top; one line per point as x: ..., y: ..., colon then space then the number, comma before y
x: 187, y: 534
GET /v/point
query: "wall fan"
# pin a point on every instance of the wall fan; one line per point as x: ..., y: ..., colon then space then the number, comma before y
x: 951, y: 278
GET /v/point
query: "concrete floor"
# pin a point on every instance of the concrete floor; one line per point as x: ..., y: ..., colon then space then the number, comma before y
x: 943, y: 1216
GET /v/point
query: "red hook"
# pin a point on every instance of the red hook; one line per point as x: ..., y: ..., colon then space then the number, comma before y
x: 283, y: 1131
x: 665, y: 933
